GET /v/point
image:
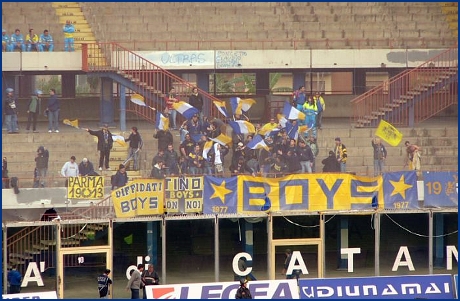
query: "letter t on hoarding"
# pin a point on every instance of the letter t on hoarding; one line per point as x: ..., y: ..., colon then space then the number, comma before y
x: 349, y: 252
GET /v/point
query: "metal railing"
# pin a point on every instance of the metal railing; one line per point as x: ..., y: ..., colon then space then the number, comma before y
x: 293, y: 44
x: 413, y: 95
x: 141, y: 76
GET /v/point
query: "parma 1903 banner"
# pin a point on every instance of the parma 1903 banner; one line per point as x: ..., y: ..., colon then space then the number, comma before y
x: 85, y: 188
x: 139, y: 197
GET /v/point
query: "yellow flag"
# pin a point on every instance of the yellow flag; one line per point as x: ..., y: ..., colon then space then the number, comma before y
x: 73, y: 123
x: 388, y: 133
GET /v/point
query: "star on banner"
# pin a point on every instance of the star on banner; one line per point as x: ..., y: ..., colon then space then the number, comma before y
x: 400, y: 187
x: 220, y: 191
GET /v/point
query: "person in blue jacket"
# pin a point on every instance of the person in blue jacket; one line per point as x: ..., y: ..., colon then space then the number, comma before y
x: 68, y: 30
x: 17, y: 41
x: 14, y: 280
x: 46, y: 41
x: 53, y: 112
x: 5, y: 40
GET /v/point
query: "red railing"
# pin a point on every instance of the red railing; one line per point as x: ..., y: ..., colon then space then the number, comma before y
x: 413, y: 95
x: 324, y: 43
x: 148, y: 79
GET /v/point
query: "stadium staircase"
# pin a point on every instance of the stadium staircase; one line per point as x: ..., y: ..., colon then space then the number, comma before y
x: 83, y: 33
x: 411, y: 96
x: 140, y: 76
x: 38, y: 244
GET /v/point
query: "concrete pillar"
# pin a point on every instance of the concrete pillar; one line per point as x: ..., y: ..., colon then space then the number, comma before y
x: 359, y: 81
x: 342, y: 242
x: 122, y: 94
x: 26, y: 86
x: 202, y: 82
x: 298, y: 79
x: 68, y: 85
x: 263, y: 82
x: 106, y: 106
x: 439, y: 242
x: 152, y: 242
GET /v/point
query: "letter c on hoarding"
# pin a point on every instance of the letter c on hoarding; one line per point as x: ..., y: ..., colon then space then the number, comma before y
x: 237, y: 257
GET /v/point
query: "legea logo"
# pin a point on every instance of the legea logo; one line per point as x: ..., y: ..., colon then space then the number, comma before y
x: 163, y: 292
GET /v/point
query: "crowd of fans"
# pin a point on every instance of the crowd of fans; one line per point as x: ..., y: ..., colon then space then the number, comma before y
x: 33, y: 42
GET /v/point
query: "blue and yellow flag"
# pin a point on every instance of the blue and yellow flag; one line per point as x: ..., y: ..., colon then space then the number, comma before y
x: 400, y: 190
x: 220, y: 195
x: 388, y: 133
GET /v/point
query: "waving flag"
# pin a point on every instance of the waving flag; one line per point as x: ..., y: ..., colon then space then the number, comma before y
x: 242, y: 127
x: 162, y: 122
x: 257, y: 142
x: 119, y: 139
x: 240, y: 106
x: 222, y: 139
x: 388, y: 133
x: 282, y: 120
x: 185, y: 109
x: 221, y: 107
x: 292, y: 130
x: 206, y: 148
x: 267, y: 128
x: 139, y: 100
x: 292, y: 113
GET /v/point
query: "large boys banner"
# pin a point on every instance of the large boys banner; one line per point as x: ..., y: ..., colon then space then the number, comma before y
x: 248, y: 194
x: 139, y: 197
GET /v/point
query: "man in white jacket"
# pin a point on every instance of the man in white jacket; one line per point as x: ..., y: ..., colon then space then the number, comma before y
x: 70, y: 169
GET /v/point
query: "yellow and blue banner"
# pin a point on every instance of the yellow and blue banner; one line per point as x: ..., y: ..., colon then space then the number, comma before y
x: 185, y: 109
x: 290, y: 112
x: 311, y: 192
x: 400, y: 190
x: 257, y: 143
x: 242, y: 127
x: 162, y: 122
x: 441, y: 189
x: 184, y: 194
x: 220, y: 195
x: 241, y: 106
x: 139, y: 197
x: 221, y: 107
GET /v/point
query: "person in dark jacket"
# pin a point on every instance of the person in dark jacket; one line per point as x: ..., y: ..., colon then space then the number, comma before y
x: 135, y: 145
x: 158, y: 171
x: 243, y: 292
x: 5, y: 179
x: 11, y: 112
x: 120, y: 178
x: 164, y: 138
x: 171, y: 161
x: 306, y: 157
x: 41, y: 163
x: 103, y: 282
x: 330, y: 163
x: 196, y: 100
x: 104, y: 145
x: 33, y: 109
x: 52, y: 110
x: 86, y: 168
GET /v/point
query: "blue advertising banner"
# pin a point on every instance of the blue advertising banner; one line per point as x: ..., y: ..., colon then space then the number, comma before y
x: 392, y: 287
x: 219, y: 195
x: 400, y: 190
x: 456, y: 285
x: 441, y: 189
